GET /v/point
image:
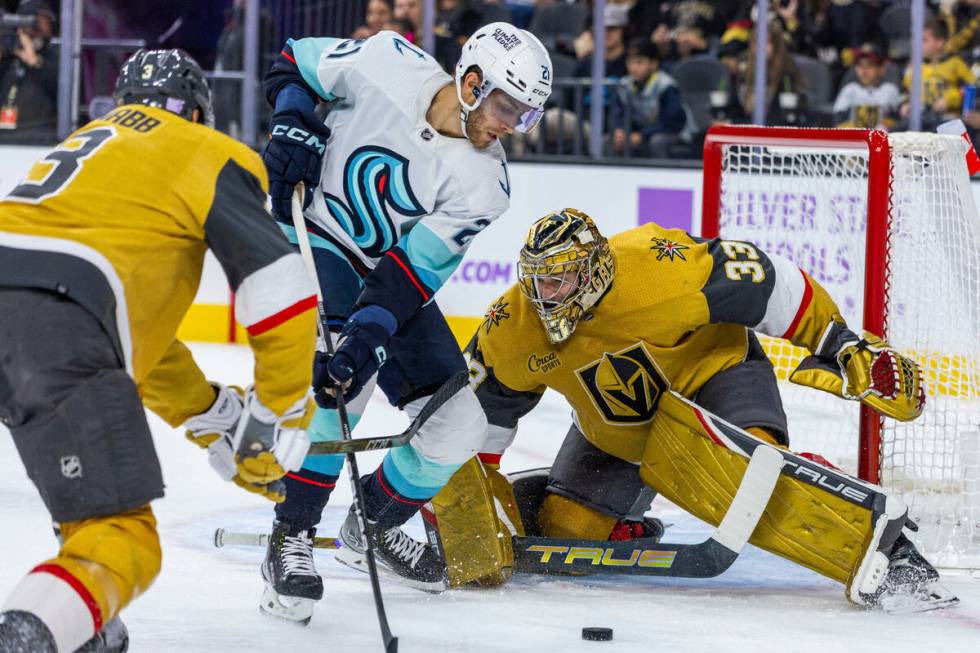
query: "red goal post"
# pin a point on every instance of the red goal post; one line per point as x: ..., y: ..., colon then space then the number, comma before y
x: 875, y: 144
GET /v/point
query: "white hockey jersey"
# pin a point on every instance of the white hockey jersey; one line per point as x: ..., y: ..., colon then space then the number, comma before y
x: 389, y: 178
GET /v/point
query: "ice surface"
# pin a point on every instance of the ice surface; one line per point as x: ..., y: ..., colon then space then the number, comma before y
x: 206, y: 599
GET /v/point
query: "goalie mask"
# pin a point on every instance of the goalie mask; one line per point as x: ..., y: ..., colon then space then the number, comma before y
x: 565, y: 267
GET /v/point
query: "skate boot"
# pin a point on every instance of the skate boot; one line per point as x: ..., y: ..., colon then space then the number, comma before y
x: 650, y: 529
x: 113, y: 638
x: 292, y: 585
x: 23, y: 632
x: 400, y: 557
x: 911, y: 584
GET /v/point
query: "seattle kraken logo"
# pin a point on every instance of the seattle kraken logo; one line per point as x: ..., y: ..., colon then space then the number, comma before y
x: 374, y: 178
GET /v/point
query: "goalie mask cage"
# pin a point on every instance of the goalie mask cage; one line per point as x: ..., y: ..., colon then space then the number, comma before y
x: 887, y: 224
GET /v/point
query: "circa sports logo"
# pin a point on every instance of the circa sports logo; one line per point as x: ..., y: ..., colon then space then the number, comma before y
x: 668, y: 248
x: 544, y: 363
x: 625, y: 386
x: 508, y: 41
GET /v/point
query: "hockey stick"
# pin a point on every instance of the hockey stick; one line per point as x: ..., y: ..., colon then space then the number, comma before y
x: 445, y: 392
x: 303, y: 239
x: 545, y: 555
x: 231, y: 538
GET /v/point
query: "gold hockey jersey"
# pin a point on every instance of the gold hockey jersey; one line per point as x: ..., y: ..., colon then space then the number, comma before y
x: 118, y: 218
x: 677, y: 303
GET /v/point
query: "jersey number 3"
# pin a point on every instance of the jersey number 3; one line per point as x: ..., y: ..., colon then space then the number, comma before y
x: 50, y: 175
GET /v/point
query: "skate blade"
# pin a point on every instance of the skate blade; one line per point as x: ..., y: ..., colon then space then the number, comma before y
x: 289, y: 608
x: 925, y: 599
x: 358, y: 562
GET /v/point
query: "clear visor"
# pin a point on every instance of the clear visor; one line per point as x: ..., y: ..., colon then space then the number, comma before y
x: 513, y: 113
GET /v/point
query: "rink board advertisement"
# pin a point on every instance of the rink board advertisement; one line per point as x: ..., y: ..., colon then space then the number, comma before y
x: 618, y: 198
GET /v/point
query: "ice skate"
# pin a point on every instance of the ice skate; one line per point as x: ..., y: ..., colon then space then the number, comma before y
x: 399, y: 556
x: 292, y: 585
x: 911, y: 584
x: 113, y: 638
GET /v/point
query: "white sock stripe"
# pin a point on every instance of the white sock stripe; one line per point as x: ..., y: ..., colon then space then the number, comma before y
x: 55, y: 602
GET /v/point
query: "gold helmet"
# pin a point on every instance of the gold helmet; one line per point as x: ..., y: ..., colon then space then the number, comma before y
x: 565, y: 267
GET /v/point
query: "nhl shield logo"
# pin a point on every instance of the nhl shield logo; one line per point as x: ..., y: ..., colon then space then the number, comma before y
x: 626, y: 386
x: 71, y: 467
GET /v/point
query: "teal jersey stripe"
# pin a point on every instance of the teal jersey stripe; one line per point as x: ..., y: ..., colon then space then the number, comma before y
x: 307, y: 53
x: 316, y: 241
x: 429, y: 256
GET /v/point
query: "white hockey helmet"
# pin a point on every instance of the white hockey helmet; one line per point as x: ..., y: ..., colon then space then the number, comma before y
x: 512, y: 60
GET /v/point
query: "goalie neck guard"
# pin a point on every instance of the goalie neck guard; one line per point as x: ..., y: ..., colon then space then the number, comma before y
x: 512, y: 61
x: 168, y: 79
x: 565, y: 266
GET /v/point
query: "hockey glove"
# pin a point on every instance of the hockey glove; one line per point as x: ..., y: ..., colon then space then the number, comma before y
x: 870, y: 371
x: 214, y: 430
x: 297, y: 141
x: 362, y: 349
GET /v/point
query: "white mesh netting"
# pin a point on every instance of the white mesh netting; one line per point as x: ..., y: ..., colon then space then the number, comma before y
x: 810, y: 205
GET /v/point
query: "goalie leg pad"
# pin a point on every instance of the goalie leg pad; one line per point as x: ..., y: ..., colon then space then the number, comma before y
x: 809, y: 520
x: 476, y: 516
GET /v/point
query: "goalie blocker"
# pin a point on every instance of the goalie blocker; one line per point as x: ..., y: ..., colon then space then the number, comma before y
x: 830, y: 522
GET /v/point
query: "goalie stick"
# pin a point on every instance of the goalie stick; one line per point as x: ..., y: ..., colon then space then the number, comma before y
x: 303, y: 239
x: 546, y: 555
x: 356, y: 445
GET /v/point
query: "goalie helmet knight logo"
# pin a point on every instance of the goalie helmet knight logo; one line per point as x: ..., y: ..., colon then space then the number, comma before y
x: 626, y: 386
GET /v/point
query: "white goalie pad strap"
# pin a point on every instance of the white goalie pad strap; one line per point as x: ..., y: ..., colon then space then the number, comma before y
x: 274, y: 293
x: 788, y: 299
x: 874, y: 565
x: 751, y: 498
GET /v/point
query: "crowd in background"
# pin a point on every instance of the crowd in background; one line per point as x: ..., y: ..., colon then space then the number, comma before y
x: 676, y: 68
x: 673, y: 68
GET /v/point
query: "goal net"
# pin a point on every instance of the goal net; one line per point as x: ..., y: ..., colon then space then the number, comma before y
x: 887, y: 224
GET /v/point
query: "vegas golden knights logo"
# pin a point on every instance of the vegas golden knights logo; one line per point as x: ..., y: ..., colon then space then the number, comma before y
x: 626, y: 386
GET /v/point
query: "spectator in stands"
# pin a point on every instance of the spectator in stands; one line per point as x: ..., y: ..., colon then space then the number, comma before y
x: 843, y: 25
x: 455, y: 21
x: 963, y: 20
x: 379, y: 13
x: 723, y: 101
x: 785, y: 101
x: 688, y: 27
x: 868, y: 102
x: 942, y: 77
x: 560, y: 124
x: 647, y: 112
x: 410, y: 13
x: 616, y: 17
x: 29, y: 78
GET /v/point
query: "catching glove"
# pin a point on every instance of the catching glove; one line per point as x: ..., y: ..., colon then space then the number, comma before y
x: 870, y: 371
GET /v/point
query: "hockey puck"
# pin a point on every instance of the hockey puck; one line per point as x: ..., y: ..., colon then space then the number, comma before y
x: 597, y: 634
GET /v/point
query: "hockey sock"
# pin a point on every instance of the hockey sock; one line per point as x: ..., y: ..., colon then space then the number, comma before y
x: 307, y: 493
x: 385, y: 504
